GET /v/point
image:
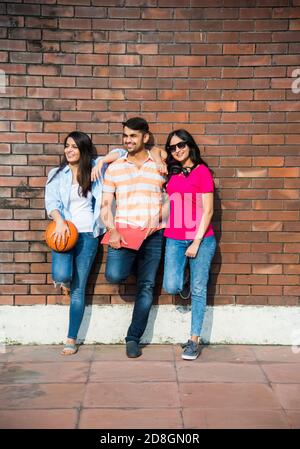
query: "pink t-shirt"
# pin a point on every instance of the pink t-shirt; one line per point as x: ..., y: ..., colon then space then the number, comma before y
x: 186, y: 203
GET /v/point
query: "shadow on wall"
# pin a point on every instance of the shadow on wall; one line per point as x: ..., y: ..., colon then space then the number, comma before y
x: 212, y: 290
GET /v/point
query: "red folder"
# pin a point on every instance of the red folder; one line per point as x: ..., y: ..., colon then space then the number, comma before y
x: 134, y: 236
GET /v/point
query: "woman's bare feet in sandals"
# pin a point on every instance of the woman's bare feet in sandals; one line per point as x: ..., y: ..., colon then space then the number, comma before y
x: 70, y: 347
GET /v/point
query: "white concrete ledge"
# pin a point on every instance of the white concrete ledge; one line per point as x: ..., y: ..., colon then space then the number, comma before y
x: 261, y: 325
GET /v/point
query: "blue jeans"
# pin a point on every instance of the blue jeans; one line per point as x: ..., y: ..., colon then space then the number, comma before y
x: 74, y: 267
x: 174, y: 271
x: 119, y: 266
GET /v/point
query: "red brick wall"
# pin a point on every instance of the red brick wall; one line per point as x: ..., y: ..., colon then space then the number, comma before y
x: 220, y: 68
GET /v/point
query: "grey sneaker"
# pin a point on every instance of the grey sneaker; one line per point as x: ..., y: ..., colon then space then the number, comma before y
x: 191, y: 350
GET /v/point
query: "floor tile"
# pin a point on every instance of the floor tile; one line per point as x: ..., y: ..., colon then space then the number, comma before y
x: 130, y: 419
x: 282, y: 373
x: 132, y: 371
x: 219, y: 372
x: 149, y: 352
x: 282, y: 354
x: 293, y: 417
x: 228, y: 396
x: 38, y: 419
x: 45, y: 396
x: 43, y: 372
x: 236, y: 419
x: 122, y: 394
x: 48, y: 353
x: 288, y: 395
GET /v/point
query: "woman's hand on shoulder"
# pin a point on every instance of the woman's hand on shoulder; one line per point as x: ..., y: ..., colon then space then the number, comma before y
x: 96, y: 173
x: 162, y: 168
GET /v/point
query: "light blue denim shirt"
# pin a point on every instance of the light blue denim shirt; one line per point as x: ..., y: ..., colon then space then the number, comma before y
x: 57, y: 194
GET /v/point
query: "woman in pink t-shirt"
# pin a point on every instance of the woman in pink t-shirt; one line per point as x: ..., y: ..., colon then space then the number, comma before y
x: 189, y: 234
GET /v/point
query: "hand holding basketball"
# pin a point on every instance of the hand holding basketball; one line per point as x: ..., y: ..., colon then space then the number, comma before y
x: 61, y: 236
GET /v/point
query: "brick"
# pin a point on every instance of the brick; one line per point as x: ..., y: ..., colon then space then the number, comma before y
x: 13, y: 246
x: 292, y: 172
x: 205, y: 25
x: 229, y: 106
x: 222, y: 60
x: 124, y: 60
x: 111, y: 24
x: 13, y: 289
x: 283, y: 280
x: 283, y: 215
x: 238, y: 49
x: 282, y: 301
x: 157, y: 13
x: 252, y: 279
x: 29, y: 257
x: 91, y: 59
x: 235, y: 290
x: 107, y: 94
x: 123, y: 36
x: 283, y: 258
x: 5, y: 257
x: 255, y: 13
x: 60, y: 59
x: 171, y: 72
x: 94, y: 11
x: 158, y: 61
x: 75, y: 24
x: 292, y: 269
x: 252, y: 300
x: 6, y: 300
x: 30, y: 278
x: 14, y: 268
x: 271, y: 290
x: 29, y: 300
x: 143, y: 49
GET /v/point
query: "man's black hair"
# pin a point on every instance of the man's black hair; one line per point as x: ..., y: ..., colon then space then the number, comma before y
x: 138, y: 124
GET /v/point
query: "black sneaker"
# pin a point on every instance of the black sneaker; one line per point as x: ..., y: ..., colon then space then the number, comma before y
x: 132, y: 349
x: 186, y: 291
x: 191, y: 350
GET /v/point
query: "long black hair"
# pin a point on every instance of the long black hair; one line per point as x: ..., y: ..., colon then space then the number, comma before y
x: 87, y: 153
x: 194, y: 153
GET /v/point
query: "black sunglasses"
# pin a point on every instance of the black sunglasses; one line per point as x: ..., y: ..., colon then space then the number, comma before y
x: 179, y: 145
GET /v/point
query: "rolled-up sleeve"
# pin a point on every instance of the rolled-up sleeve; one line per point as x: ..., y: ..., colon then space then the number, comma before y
x: 52, y: 197
x: 121, y: 153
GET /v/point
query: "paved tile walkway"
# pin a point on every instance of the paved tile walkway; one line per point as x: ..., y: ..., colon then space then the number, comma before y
x: 228, y: 386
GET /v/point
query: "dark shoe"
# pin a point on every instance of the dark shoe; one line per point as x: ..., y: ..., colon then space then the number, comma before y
x: 186, y: 291
x: 132, y: 349
x: 191, y: 350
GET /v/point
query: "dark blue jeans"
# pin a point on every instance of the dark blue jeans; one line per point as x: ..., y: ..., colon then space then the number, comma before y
x: 74, y: 267
x: 119, y: 266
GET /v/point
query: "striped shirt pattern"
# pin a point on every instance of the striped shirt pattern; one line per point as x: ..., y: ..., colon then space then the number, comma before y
x: 138, y: 192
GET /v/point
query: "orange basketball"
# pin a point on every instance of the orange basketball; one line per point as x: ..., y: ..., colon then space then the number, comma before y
x: 69, y: 242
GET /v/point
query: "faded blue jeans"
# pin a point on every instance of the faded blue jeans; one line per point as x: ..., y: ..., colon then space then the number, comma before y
x: 73, y: 267
x: 174, y: 273
x: 120, y: 264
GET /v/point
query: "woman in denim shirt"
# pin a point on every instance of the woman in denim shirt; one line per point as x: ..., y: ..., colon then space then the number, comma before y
x: 74, y: 192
